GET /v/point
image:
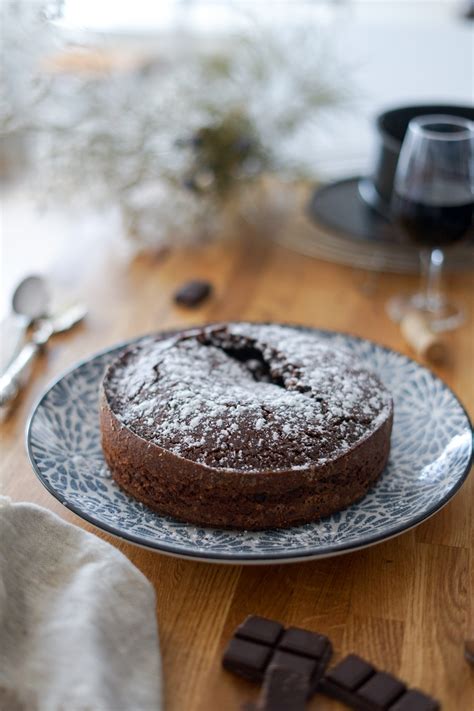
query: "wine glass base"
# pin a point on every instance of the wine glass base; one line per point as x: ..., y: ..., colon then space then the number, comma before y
x: 444, y: 317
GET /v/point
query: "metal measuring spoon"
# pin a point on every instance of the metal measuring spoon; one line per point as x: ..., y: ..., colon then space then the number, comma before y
x: 30, y: 301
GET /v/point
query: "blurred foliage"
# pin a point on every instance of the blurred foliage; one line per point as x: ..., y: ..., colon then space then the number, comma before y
x: 182, y: 129
x: 224, y: 152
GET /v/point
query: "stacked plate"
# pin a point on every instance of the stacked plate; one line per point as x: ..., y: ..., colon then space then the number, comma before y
x: 339, y: 226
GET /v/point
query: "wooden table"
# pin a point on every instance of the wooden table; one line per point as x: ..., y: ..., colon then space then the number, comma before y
x: 407, y: 604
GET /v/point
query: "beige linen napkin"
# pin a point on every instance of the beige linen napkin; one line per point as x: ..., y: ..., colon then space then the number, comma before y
x: 77, y: 620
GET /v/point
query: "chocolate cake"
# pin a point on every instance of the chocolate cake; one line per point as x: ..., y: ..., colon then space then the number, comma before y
x: 244, y: 425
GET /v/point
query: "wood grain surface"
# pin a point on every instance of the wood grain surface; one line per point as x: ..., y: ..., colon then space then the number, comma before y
x: 407, y: 604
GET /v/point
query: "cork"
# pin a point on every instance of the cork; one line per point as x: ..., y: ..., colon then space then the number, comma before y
x: 418, y: 334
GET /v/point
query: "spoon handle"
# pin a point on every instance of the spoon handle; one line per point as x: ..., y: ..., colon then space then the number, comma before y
x: 16, y: 375
x: 19, y: 369
x: 12, y: 336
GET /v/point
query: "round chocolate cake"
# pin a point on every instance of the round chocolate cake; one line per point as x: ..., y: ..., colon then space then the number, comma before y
x: 244, y: 425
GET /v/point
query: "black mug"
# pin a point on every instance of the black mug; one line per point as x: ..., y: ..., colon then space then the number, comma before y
x: 377, y: 190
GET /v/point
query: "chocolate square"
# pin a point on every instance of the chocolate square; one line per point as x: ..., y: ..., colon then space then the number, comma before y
x: 259, y: 629
x: 303, y: 665
x: 415, y: 700
x: 299, y: 641
x: 381, y: 690
x: 283, y: 690
x: 246, y: 658
x: 351, y: 673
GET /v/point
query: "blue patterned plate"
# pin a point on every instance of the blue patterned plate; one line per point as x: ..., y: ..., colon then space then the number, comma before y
x: 430, y: 459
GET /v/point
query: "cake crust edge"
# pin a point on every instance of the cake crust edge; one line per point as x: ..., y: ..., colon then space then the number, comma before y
x: 226, y: 498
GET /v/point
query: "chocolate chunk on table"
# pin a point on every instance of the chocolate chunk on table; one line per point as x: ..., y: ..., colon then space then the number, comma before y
x: 259, y: 642
x: 351, y: 673
x: 364, y: 688
x: 193, y: 293
x: 247, y: 659
x: 283, y: 690
x: 260, y: 629
x: 414, y: 700
x: 381, y: 690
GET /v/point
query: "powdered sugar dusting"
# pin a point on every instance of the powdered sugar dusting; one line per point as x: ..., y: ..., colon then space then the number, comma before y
x: 247, y: 396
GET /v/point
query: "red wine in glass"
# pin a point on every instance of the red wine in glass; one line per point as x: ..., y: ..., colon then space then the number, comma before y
x: 433, y: 204
x: 433, y: 225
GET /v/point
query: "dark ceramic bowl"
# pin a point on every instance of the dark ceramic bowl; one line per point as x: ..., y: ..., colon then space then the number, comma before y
x: 376, y: 190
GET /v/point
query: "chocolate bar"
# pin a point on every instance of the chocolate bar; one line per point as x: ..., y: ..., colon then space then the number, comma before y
x: 259, y: 643
x: 364, y: 688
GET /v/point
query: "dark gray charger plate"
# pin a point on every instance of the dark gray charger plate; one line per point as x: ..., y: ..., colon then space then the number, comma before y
x: 348, y: 223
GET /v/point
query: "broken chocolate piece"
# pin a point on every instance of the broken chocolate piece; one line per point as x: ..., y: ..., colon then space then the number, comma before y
x: 247, y: 659
x: 304, y: 642
x: 415, y: 700
x: 260, y: 629
x: 259, y: 643
x: 303, y: 665
x: 381, y: 690
x: 358, y: 684
x: 291, y: 662
x: 193, y: 293
x: 350, y: 673
x: 283, y: 690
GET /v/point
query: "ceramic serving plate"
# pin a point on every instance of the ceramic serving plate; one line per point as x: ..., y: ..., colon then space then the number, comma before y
x: 430, y: 459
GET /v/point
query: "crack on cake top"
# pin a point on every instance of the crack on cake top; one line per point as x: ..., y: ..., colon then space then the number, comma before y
x: 264, y: 365
x: 247, y: 396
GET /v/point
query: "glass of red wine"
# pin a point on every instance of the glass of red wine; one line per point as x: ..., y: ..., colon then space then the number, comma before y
x: 433, y: 204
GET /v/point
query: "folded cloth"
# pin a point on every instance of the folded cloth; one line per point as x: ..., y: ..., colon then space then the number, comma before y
x: 77, y: 620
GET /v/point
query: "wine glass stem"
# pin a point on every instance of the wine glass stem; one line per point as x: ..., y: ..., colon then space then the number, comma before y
x: 432, y: 261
